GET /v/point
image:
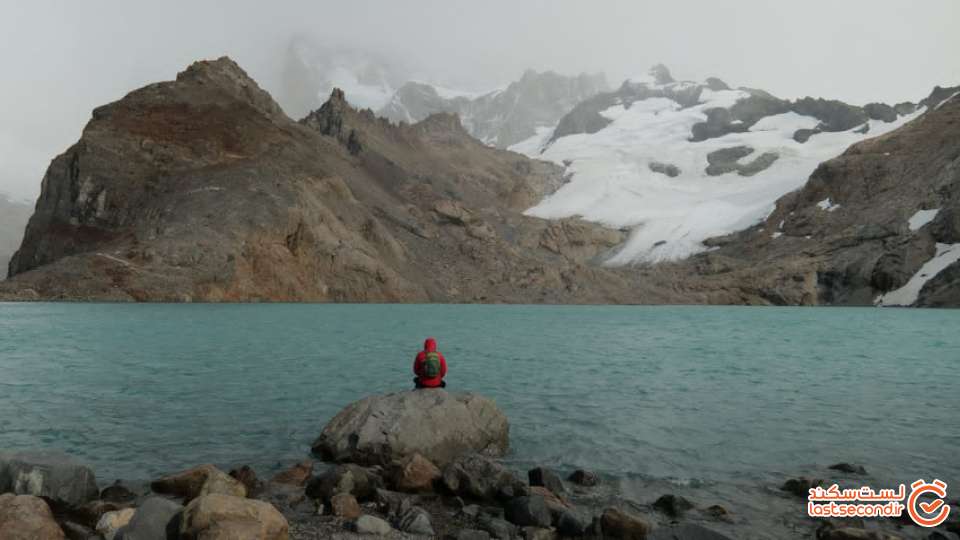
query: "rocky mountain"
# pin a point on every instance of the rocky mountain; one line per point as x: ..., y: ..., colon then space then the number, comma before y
x: 879, y: 224
x: 13, y: 220
x: 312, y: 70
x: 678, y: 162
x: 504, y: 117
x: 203, y: 189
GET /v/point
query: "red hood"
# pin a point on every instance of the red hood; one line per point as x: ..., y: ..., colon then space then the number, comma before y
x: 430, y: 345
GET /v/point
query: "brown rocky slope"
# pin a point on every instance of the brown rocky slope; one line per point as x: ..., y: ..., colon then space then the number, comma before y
x: 845, y: 237
x: 201, y: 189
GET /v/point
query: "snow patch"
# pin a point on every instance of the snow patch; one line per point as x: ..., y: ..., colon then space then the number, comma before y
x: 827, y: 205
x: 533, y: 145
x: 955, y: 94
x: 907, y: 295
x: 921, y: 218
x: 612, y: 184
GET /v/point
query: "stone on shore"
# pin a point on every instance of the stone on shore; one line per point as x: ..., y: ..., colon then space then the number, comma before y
x: 25, y: 517
x: 416, y: 520
x: 542, y: 476
x: 53, y: 475
x: 117, y: 493
x: 156, y: 517
x: 848, y: 468
x: 225, y: 517
x: 673, y: 505
x: 367, y: 524
x: 345, y: 505
x: 248, y: 477
x: 477, y: 477
x: 111, y: 522
x: 435, y: 423
x: 530, y: 511
x: 800, y: 486
x: 200, y: 480
x: 413, y: 474
x: 617, y: 524
x: 358, y: 481
x: 298, y: 475
x: 687, y: 531
x: 583, y: 478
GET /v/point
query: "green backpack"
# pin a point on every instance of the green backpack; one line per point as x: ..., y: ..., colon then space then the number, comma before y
x: 431, y: 365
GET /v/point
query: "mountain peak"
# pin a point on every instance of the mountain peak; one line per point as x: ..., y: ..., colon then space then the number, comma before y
x: 660, y: 74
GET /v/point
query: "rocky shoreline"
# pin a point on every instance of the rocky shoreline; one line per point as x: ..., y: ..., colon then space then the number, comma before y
x: 418, y: 464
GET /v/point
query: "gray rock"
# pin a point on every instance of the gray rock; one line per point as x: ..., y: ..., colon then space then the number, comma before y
x: 416, y: 520
x: 538, y: 533
x: 726, y: 160
x: 156, y: 519
x: 673, y: 505
x: 687, y: 531
x: 833, y: 115
x: 849, y: 468
x: 529, y: 511
x: 438, y: 424
x: 394, y: 503
x: 367, y: 524
x: 583, y: 478
x: 53, y: 475
x: 800, y: 486
x: 803, y: 135
x: 541, y: 476
x: 498, y: 528
x: 569, y: 524
x: 665, y: 168
x: 355, y: 480
x: 880, y: 111
x: 717, y: 85
x: 477, y: 477
x: 469, y: 534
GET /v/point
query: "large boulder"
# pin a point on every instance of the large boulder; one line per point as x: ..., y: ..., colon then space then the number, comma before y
x: 225, y: 517
x: 25, y: 517
x: 156, y: 518
x: 200, y: 480
x: 434, y: 423
x: 53, y: 475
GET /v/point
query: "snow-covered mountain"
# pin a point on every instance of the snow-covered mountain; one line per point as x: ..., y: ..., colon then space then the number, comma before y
x: 311, y: 71
x: 679, y: 162
x: 503, y: 117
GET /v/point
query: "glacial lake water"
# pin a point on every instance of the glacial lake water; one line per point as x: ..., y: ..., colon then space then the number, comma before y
x: 717, y: 401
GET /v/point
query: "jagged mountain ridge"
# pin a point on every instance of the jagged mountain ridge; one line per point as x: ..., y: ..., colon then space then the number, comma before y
x: 678, y: 162
x: 877, y: 225
x: 503, y: 117
x: 203, y: 189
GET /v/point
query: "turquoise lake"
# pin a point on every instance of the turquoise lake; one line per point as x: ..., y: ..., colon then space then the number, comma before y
x: 688, y: 396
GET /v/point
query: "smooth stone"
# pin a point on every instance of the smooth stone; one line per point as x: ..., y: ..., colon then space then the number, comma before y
x: 358, y: 481
x: 414, y: 474
x: 298, y: 475
x: 478, y: 477
x: 416, y: 520
x: 583, y: 478
x: 53, y: 475
x: 111, y: 522
x: 615, y: 523
x: 26, y: 517
x: 197, y: 481
x: 673, y: 505
x: 367, y: 524
x: 248, y: 477
x: 542, y: 476
x: 226, y: 517
x: 156, y: 518
x: 345, y: 505
x: 437, y: 424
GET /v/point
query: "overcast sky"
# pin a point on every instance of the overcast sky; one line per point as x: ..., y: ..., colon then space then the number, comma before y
x: 59, y: 60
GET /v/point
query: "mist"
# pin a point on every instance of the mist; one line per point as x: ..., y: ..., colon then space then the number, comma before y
x: 60, y: 60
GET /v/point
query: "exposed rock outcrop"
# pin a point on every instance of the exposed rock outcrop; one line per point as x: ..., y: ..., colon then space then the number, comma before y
x: 502, y: 117
x: 437, y: 424
x: 53, y: 475
x: 201, y: 189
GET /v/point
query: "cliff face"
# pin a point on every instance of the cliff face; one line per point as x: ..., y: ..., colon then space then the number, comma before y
x: 877, y: 225
x: 13, y: 219
x: 202, y: 189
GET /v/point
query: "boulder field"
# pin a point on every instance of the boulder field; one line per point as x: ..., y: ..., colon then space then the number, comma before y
x: 417, y: 464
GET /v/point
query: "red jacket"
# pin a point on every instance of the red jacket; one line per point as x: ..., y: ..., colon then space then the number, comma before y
x: 430, y: 345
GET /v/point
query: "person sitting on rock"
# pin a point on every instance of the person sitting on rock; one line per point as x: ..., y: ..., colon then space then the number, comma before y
x: 430, y: 366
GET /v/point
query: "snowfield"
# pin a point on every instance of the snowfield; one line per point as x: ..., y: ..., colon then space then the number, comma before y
x: 612, y: 182
x: 907, y: 295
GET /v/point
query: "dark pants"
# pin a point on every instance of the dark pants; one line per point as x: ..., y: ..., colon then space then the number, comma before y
x: 416, y: 384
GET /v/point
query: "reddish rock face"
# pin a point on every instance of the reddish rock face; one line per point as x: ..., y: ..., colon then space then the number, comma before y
x: 25, y: 517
